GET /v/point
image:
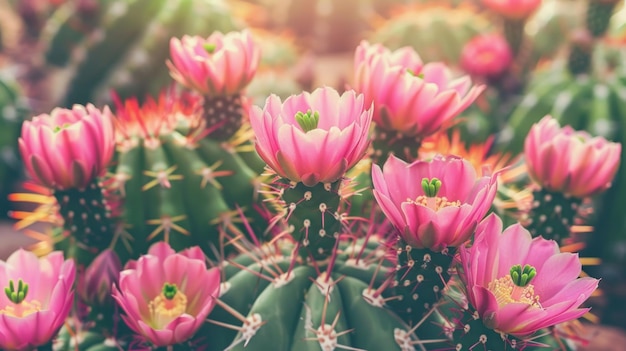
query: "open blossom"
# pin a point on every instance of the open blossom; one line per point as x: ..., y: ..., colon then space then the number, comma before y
x: 410, y: 97
x: 167, y: 295
x: 222, y: 64
x: 486, y: 56
x: 433, y: 204
x: 36, y: 300
x: 519, y: 284
x: 68, y: 148
x: 312, y: 137
x: 570, y: 161
x: 513, y: 9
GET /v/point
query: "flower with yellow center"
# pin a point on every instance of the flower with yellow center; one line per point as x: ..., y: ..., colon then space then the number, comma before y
x: 518, y: 284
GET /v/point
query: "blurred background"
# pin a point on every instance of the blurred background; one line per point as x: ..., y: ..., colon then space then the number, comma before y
x: 568, y: 60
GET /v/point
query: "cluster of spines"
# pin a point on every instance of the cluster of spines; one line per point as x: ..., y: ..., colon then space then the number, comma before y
x: 553, y: 214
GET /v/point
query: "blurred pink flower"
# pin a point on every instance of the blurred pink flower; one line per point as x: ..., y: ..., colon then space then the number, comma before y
x: 312, y: 137
x: 569, y: 161
x: 506, y: 300
x: 410, y: 97
x: 167, y: 295
x: 486, y: 56
x: 68, y: 148
x: 431, y: 219
x: 513, y: 9
x: 38, y: 297
x: 222, y: 64
x: 99, y: 278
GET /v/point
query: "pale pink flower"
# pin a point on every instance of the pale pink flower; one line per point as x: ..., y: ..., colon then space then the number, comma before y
x: 33, y: 319
x: 311, y: 153
x: 68, y: 148
x: 569, y: 161
x: 441, y: 219
x: 486, y: 56
x: 222, y: 64
x: 509, y: 304
x: 410, y: 97
x: 167, y: 295
x: 513, y: 9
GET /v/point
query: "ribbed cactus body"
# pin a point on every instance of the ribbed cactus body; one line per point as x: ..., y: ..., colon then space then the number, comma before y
x: 288, y: 305
x: 182, y: 186
x: 437, y: 33
x: 123, y: 45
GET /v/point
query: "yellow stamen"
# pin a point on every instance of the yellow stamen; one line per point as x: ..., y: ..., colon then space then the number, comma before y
x: 22, y: 309
x: 164, y: 310
x: 434, y: 203
x: 506, y: 292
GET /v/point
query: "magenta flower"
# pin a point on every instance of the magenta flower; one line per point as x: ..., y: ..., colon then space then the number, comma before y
x: 433, y: 204
x: 569, y: 161
x: 99, y: 278
x: 486, y: 56
x: 222, y: 64
x: 513, y: 9
x: 68, y: 148
x: 410, y: 97
x: 36, y: 300
x: 519, y: 284
x: 312, y: 137
x: 167, y: 295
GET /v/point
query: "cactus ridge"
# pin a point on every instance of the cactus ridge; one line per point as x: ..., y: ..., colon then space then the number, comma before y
x: 272, y: 296
x: 420, y: 280
x: 553, y: 215
x: 167, y: 167
x: 387, y: 142
x: 598, y: 17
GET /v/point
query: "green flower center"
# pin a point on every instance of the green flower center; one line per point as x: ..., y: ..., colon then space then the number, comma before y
x: 308, y: 121
x: 431, y: 186
x: 16, y: 296
x: 522, y: 276
x: 210, y: 48
x: 169, y: 290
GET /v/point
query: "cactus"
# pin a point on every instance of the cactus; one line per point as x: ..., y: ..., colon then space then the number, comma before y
x: 271, y: 297
x: 436, y: 32
x: 13, y: 110
x: 167, y: 170
x: 122, y: 45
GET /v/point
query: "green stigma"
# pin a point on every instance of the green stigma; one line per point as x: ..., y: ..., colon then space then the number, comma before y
x: 522, y: 276
x: 169, y: 290
x: 431, y: 186
x: 308, y: 121
x: 59, y: 128
x: 210, y: 48
x: 16, y: 296
x: 411, y: 72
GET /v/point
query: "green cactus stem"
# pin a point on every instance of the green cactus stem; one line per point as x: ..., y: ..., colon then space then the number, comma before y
x: 224, y: 115
x: 514, y: 34
x: 579, y: 60
x: 88, y: 220
x: 598, y: 16
x: 312, y: 216
x: 386, y: 142
x: 553, y: 214
x: 470, y: 332
x: 272, y: 299
x: 420, y: 279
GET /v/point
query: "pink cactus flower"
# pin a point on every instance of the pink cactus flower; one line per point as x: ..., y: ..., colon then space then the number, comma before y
x: 519, y: 284
x: 312, y: 137
x: 222, y: 64
x: 410, y: 97
x: 433, y: 204
x: 68, y: 148
x: 99, y: 278
x: 513, y: 9
x: 486, y: 56
x: 167, y: 295
x: 569, y: 161
x: 37, y: 298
